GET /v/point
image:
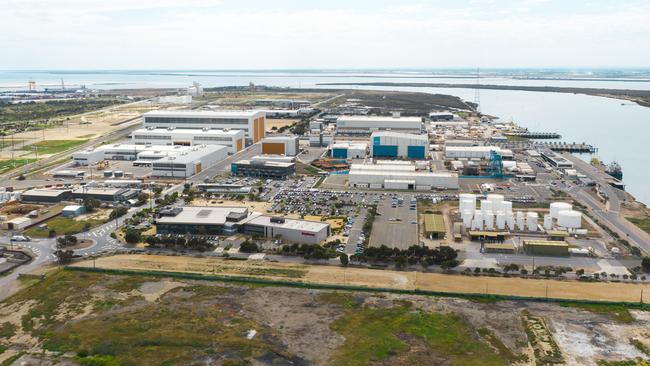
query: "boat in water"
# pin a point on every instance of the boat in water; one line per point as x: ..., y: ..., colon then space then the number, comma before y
x: 614, y: 169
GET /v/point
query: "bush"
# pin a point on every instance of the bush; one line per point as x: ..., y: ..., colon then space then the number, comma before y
x: 249, y: 247
x: 132, y: 236
x: 118, y: 212
x: 344, y: 259
x: 645, y: 264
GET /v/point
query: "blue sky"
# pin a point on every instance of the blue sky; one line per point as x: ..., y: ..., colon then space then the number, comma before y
x: 223, y: 34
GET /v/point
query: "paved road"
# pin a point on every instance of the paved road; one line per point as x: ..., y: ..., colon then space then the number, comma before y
x: 610, y: 215
x: 355, y: 232
x: 224, y: 165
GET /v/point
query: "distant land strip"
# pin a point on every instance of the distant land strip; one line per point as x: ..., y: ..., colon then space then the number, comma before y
x: 640, y: 97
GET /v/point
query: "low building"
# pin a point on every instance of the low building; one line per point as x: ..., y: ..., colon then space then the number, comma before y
x: 434, y: 226
x: 385, y: 176
x: 365, y: 125
x: 262, y: 169
x: 503, y: 248
x: 73, y: 210
x: 188, y: 163
x: 349, y: 150
x: 388, y: 144
x: 105, y: 194
x: 69, y: 174
x: 18, y: 223
x: 320, y: 140
x: 289, y: 230
x: 46, y: 195
x: 224, y: 188
x: 546, y: 247
x: 556, y: 160
x: 281, y: 145
x: 441, y: 116
x: 201, y: 220
x: 87, y: 157
x: 232, y: 139
x: 475, y: 152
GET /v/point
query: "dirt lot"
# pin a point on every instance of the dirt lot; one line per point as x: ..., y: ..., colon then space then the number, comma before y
x: 278, y: 123
x: 574, y: 290
x: 99, y: 319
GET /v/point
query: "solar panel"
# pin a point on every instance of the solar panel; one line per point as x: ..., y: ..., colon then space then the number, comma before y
x: 203, y: 213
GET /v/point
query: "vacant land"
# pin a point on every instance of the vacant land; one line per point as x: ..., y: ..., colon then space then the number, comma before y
x: 55, y: 146
x: 35, y: 111
x: 386, y: 279
x: 63, y: 225
x: 7, y: 165
x: 642, y: 222
x: 73, y: 317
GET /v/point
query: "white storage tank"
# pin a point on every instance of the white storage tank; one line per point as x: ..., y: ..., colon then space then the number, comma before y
x: 570, y: 219
x: 556, y: 207
x: 531, y: 220
x: 501, y: 220
x: 497, y: 201
x: 486, y: 206
x: 477, y: 224
x: 510, y: 220
x: 488, y: 219
x: 521, y: 222
x: 506, y: 206
x: 467, y: 217
x: 467, y: 204
x: 548, y: 222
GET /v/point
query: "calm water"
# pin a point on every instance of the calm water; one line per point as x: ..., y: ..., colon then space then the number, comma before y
x: 616, y: 128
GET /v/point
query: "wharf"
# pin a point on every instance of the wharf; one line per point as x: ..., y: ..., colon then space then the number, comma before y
x: 535, y: 135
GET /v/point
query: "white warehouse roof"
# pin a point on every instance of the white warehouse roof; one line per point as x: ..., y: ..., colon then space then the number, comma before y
x: 206, y: 114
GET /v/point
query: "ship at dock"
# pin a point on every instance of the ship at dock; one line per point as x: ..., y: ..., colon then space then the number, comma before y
x: 614, y: 170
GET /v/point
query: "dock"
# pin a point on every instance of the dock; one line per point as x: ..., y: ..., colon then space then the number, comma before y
x: 571, y: 147
x: 535, y: 135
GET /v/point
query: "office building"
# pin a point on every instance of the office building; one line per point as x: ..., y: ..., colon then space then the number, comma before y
x: 289, y: 230
x: 250, y: 121
x: 263, y: 169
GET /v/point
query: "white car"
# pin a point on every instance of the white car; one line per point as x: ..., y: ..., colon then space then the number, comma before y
x: 20, y: 238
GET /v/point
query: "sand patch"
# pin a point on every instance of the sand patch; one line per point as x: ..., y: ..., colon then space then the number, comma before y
x: 152, y: 291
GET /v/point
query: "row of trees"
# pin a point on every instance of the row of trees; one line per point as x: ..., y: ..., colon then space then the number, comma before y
x: 444, y: 256
x: 179, y: 242
x: 308, y: 251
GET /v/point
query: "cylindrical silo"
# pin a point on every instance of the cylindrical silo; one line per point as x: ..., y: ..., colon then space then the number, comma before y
x: 531, y: 220
x: 570, y: 219
x: 467, y: 217
x: 486, y: 206
x: 510, y: 220
x: 548, y: 222
x: 501, y: 220
x: 477, y: 224
x: 497, y: 201
x: 556, y: 207
x: 506, y: 206
x: 521, y: 223
x: 488, y: 219
x: 467, y: 204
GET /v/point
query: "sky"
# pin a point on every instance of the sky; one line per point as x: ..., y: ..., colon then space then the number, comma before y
x: 330, y: 34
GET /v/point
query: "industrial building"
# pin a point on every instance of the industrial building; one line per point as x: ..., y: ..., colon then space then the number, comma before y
x: 219, y: 188
x: 87, y: 157
x: 546, y: 247
x: 388, y: 144
x: 233, y: 139
x: 290, y: 230
x: 441, y: 116
x: 281, y: 145
x: 283, y: 103
x: 475, y: 152
x: 46, y: 195
x: 368, y: 124
x: 229, y: 220
x: 385, y: 176
x: 434, y: 226
x: 263, y: 169
x: 556, y: 160
x: 18, y: 223
x: 131, y: 152
x: 105, y: 194
x: 190, y: 162
x: 349, y: 150
x: 251, y: 122
x: 73, y: 210
x: 320, y: 140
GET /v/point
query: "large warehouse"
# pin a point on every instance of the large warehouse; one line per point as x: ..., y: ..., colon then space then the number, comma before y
x: 349, y: 150
x: 399, y: 177
x: 251, y: 122
x: 367, y: 124
x: 132, y: 152
x: 46, y: 195
x: 474, y: 152
x: 281, y: 145
x: 229, y: 220
x: 190, y: 162
x: 233, y: 139
x: 388, y: 144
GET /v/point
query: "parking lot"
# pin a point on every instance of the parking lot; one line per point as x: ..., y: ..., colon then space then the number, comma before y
x: 396, y: 222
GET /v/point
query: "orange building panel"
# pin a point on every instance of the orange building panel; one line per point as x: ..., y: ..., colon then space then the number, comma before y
x: 274, y: 148
x: 240, y: 145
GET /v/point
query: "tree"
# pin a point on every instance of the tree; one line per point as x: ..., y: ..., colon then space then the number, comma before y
x: 645, y: 264
x: 132, y: 236
x: 66, y: 241
x: 118, y: 212
x: 249, y: 247
x: 51, y: 233
x: 64, y: 256
x: 91, y: 204
x: 344, y: 259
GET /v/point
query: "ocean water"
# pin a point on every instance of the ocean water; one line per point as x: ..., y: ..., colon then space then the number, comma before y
x: 615, y: 127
